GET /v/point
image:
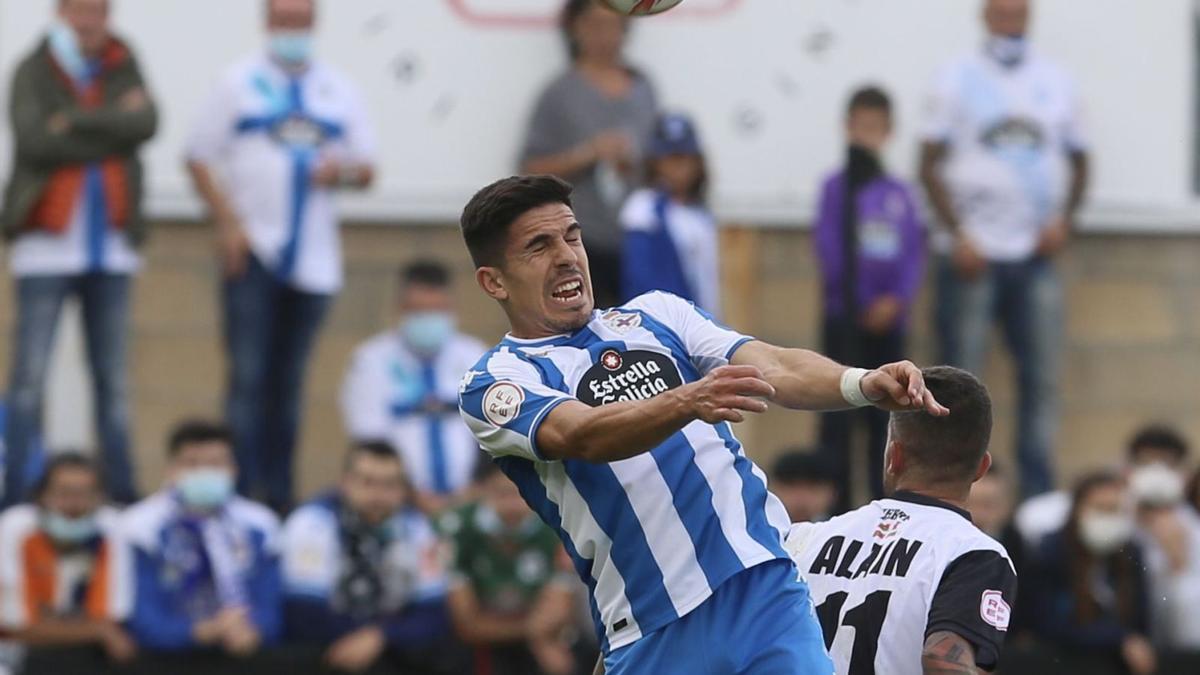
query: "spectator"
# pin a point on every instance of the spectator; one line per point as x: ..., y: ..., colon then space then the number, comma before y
x: 72, y: 214
x: 1001, y: 123
x: 63, y: 577
x: 1169, y: 532
x: 804, y: 482
x: 402, y: 386
x: 206, y: 562
x: 288, y: 131
x: 589, y: 127
x: 363, y: 572
x: 1088, y: 580
x: 509, y: 597
x: 872, y: 258
x: 671, y: 239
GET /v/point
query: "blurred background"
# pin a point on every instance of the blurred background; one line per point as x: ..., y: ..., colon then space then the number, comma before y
x: 443, y: 96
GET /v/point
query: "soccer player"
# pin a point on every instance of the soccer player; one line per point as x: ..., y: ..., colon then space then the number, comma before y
x: 908, y: 584
x: 615, y: 425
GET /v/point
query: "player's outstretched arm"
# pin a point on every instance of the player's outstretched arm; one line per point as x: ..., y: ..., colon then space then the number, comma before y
x: 947, y: 653
x: 622, y: 430
x: 806, y: 380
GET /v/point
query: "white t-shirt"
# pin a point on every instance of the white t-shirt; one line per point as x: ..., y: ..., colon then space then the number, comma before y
x: 695, y: 234
x: 390, y: 394
x: 265, y: 132
x: 1008, y: 133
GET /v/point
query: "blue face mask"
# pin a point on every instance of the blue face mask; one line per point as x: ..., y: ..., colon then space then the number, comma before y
x: 1007, y: 50
x: 204, y: 489
x: 426, y: 332
x: 293, y: 47
x: 64, y: 45
x: 69, y: 531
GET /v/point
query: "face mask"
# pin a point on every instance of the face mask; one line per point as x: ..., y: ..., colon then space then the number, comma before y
x: 426, y: 332
x: 1007, y: 50
x: 205, y: 488
x: 64, y: 45
x: 1102, y: 533
x: 69, y: 531
x: 293, y: 47
x: 1156, y: 484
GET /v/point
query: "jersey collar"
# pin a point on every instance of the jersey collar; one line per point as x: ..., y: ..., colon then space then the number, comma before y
x: 923, y: 500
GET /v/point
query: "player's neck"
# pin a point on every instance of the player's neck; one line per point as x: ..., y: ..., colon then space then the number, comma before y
x: 952, y: 495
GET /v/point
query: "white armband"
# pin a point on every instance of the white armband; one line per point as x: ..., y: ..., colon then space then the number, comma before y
x: 852, y: 387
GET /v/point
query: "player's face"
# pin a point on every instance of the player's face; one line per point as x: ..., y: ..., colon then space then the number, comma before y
x: 546, y: 285
x: 869, y: 128
x: 89, y: 20
x: 1007, y: 17
x: 374, y: 488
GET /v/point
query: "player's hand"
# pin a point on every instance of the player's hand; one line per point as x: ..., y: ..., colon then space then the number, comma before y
x: 357, y: 651
x: 233, y: 248
x: 900, y: 387
x: 967, y: 260
x: 723, y: 394
x: 1054, y: 237
x: 881, y: 316
x: 1139, y: 655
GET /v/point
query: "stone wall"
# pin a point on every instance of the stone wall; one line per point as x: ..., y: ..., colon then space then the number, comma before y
x: 1133, y: 334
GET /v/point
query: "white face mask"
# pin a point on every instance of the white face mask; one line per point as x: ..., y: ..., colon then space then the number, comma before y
x: 1156, y: 484
x: 1103, y: 532
x: 1007, y: 50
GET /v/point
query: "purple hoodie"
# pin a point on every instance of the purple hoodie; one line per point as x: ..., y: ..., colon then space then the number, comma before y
x: 891, y: 240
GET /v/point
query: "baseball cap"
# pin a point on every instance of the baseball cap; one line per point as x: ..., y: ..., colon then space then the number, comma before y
x: 674, y: 134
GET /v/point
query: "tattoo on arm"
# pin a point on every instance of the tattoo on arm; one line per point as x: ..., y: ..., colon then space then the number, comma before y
x: 947, y: 653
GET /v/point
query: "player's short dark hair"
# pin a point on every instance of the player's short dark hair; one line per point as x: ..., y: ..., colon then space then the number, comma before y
x: 870, y: 97
x: 949, y: 448
x: 1159, y: 437
x: 64, y: 461
x: 488, y: 216
x: 190, y: 432
x: 801, y: 465
x: 571, y: 11
x: 425, y: 272
x: 375, y: 448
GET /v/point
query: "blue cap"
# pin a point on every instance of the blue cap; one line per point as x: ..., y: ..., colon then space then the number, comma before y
x: 674, y: 134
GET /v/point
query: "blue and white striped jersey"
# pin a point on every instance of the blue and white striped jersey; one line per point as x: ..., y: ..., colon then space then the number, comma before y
x: 652, y: 535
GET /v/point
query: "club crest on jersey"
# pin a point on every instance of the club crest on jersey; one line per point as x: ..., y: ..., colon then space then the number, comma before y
x: 634, y: 375
x: 502, y: 402
x: 611, y: 360
x: 621, y: 322
x: 994, y: 611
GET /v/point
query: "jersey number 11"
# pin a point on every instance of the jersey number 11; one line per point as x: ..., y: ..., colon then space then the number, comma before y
x: 866, y: 620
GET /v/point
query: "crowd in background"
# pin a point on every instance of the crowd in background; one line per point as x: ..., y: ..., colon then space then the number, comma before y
x: 421, y: 553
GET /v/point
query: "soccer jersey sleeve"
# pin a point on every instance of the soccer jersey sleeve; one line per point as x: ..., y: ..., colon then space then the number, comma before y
x: 974, y: 600
x: 709, y: 344
x: 504, y: 401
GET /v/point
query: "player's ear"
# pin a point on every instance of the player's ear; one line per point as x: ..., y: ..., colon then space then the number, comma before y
x: 985, y: 463
x: 894, y: 458
x: 492, y: 282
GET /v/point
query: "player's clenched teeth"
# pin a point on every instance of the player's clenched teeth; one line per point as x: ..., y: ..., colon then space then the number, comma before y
x: 568, y: 292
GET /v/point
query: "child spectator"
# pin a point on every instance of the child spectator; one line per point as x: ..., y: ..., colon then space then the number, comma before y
x: 870, y: 245
x: 670, y: 241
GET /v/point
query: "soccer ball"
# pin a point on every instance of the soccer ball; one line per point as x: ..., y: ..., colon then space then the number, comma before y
x: 641, y: 7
